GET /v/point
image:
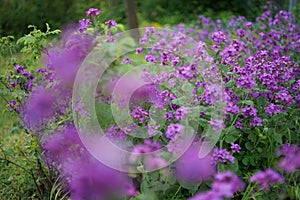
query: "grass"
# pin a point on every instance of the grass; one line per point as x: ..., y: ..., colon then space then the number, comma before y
x: 15, y: 159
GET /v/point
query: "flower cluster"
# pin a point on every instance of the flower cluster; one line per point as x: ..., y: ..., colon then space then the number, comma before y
x: 192, y: 169
x: 248, y: 67
x: 25, y: 81
x: 140, y: 114
x: 266, y: 178
x: 235, y: 148
x: 111, y: 23
x: 93, y: 12
x: 174, y: 130
x: 291, y: 157
x: 153, y: 161
x: 225, y: 185
x: 221, y: 155
x: 85, y: 176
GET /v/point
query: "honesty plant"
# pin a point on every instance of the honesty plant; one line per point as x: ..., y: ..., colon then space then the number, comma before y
x: 194, y: 112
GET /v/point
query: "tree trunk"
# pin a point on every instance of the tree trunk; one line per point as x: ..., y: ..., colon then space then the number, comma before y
x: 132, y: 18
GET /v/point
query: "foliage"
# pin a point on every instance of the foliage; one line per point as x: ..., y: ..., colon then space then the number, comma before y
x: 15, y: 14
x: 248, y: 70
x: 23, y: 172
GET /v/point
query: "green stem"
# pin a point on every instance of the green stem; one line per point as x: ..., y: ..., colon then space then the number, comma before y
x: 233, y: 122
x: 176, y: 192
x: 27, y: 171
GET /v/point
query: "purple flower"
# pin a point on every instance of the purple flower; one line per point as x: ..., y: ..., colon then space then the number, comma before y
x: 62, y: 145
x: 93, y: 180
x: 249, y: 111
x: 13, y: 84
x: 239, y: 124
x: 168, y: 116
x: 19, y: 69
x: 12, y: 105
x: 66, y: 59
x: 146, y: 94
x: 143, y: 40
x: 79, y: 107
x: 138, y: 50
x: 174, y: 61
x: 84, y: 24
x: 221, y: 155
x: 212, y: 94
x: 150, y: 58
x: 266, y: 178
x: 138, y: 113
x: 246, y: 81
x: 155, y: 162
x: 27, y: 75
x: 84, y: 177
x: 208, y: 195
x: 285, y: 148
x: 130, y: 190
x: 217, y: 125
x: 141, y: 150
x: 273, y: 109
x: 181, y: 113
x: 111, y: 23
x: 235, y: 148
x: 218, y: 37
x: 115, y: 133
x: 249, y: 25
x: 154, y: 145
x: 152, y: 129
x: 39, y: 108
x: 126, y: 61
x: 41, y: 70
x: 192, y: 169
x: 215, y: 47
x: 257, y: 121
x: 166, y: 96
x: 284, y: 96
x: 240, y: 32
x: 232, y: 108
x: 188, y: 72
x: 28, y: 85
x: 173, y: 131
x: 227, y: 183
x: 290, y: 160
x: 92, y: 12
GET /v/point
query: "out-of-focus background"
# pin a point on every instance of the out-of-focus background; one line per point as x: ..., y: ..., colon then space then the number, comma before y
x: 16, y: 15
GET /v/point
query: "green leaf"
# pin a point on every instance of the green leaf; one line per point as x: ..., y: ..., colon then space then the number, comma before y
x: 245, y: 161
x: 249, y: 146
x: 259, y: 149
x: 230, y: 84
x: 146, y: 196
x: 232, y: 136
x: 153, y: 176
x: 179, y: 101
x: 187, y: 87
x: 223, y: 68
x: 191, y: 187
x: 252, y: 137
x: 234, y: 167
x: 248, y: 102
x: 278, y: 138
x: 261, y: 101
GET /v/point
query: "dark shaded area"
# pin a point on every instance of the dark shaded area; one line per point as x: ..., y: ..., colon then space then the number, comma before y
x: 16, y: 15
